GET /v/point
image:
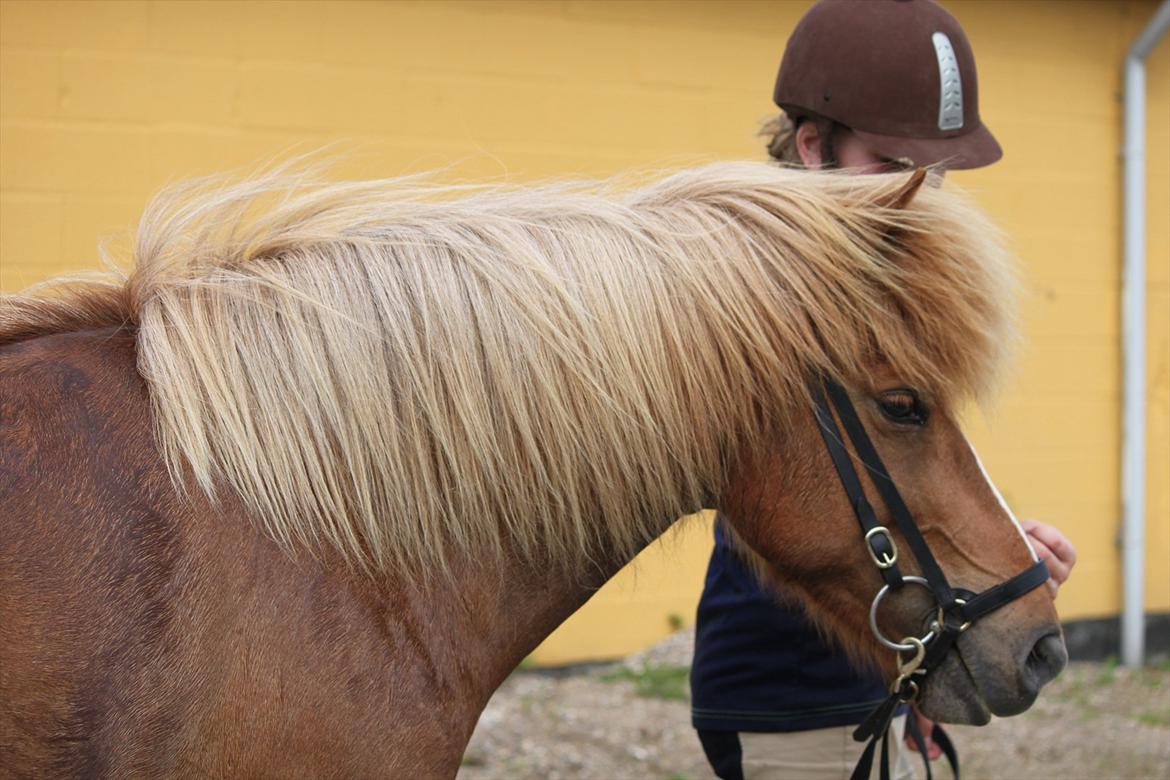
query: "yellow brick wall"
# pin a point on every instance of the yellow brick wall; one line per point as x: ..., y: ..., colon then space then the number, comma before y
x: 101, y: 103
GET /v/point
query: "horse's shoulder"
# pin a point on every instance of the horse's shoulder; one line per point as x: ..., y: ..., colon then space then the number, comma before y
x: 87, y: 544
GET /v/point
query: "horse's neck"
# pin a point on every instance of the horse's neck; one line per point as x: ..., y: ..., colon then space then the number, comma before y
x: 476, y: 631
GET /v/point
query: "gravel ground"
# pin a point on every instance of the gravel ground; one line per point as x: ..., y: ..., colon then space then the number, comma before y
x: 1095, y: 722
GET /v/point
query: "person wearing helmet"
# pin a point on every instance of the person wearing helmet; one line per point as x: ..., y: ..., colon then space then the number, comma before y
x: 898, y: 75
x: 867, y: 86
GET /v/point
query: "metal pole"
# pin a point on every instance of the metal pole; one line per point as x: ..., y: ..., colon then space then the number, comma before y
x: 1133, y: 457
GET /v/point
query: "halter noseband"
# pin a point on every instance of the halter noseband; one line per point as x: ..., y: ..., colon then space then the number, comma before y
x: 957, y: 608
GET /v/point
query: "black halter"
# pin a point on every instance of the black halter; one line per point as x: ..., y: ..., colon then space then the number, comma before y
x: 957, y: 608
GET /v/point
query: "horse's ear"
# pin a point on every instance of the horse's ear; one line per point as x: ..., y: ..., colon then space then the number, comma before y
x: 900, y: 198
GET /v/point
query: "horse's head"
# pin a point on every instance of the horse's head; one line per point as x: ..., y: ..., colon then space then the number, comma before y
x: 789, y: 505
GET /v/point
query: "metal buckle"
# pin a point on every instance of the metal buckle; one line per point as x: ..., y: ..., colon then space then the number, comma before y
x: 886, y: 560
x: 877, y: 600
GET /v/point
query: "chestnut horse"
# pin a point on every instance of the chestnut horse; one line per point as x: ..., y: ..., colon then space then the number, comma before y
x: 293, y: 497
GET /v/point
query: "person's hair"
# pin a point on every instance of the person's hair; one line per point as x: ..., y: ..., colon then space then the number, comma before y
x: 780, y: 132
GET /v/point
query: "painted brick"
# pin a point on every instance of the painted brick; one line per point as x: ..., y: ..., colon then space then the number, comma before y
x: 1158, y: 329
x: 533, y: 162
x: 1049, y: 90
x: 540, y: 47
x: 1083, y: 254
x: 701, y: 57
x: 90, y: 222
x: 635, y: 12
x: 519, y: 9
x: 380, y: 34
x: 62, y: 24
x: 1079, y: 31
x: 473, y: 111
x: 313, y: 97
x: 30, y: 238
x: 31, y: 83
x: 16, y: 275
x: 1031, y: 482
x: 1042, y: 421
x: 771, y: 20
x: 370, y: 156
x: 659, y: 122
x: 179, y: 152
x: 729, y: 127
x: 446, y: 38
x: 141, y: 88
x: 1064, y: 312
x: 252, y: 29
x: 1094, y: 588
x: 1058, y: 150
x: 1087, y: 367
x: 70, y: 158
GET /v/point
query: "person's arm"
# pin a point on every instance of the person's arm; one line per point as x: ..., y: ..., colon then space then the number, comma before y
x: 1055, y: 549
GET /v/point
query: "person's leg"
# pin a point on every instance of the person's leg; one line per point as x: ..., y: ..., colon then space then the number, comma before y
x: 821, y: 754
x: 723, y: 753
x: 903, y: 758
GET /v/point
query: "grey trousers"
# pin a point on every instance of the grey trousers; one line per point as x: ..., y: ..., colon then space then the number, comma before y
x: 823, y: 754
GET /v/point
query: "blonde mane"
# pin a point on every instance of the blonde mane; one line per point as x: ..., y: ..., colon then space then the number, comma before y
x: 404, y: 372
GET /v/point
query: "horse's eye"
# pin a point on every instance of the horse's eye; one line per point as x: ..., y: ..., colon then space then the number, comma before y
x: 903, y: 407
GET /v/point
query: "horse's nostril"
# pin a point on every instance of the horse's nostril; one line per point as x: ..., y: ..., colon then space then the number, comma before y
x: 1047, y: 659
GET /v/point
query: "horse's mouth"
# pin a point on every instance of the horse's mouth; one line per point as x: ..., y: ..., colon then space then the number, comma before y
x: 981, y: 705
x: 968, y: 687
x: 957, y: 696
x: 952, y: 694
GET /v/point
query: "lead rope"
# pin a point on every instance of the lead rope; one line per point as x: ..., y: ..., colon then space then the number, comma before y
x: 957, y: 608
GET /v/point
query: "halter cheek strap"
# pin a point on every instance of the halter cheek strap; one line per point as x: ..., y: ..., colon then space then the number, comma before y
x: 957, y: 608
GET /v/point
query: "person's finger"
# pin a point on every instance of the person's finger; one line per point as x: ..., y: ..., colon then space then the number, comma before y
x: 1054, y: 548
x: 925, y: 726
x: 1058, y: 570
x: 1043, y: 550
x: 1060, y: 545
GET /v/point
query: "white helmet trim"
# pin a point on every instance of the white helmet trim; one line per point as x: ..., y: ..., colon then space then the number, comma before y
x: 950, y: 81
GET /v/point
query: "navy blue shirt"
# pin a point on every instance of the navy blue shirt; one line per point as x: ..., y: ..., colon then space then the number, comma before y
x: 760, y: 666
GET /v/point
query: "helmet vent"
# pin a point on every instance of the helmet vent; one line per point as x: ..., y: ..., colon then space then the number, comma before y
x: 950, y: 102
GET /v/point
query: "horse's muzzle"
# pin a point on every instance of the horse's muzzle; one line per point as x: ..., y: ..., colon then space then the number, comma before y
x: 1045, y: 660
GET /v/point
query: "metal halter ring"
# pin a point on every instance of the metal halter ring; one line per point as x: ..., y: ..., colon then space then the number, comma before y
x: 940, y: 621
x: 965, y: 626
x: 877, y: 600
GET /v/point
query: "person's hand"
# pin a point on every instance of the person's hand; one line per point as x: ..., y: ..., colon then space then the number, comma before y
x: 1054, y: 549
x: 926, y: 726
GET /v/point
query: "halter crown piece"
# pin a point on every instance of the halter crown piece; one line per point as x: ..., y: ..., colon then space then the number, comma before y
x: 957, y: 608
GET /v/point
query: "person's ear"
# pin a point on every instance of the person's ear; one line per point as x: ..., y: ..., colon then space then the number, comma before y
x: 808, y: 144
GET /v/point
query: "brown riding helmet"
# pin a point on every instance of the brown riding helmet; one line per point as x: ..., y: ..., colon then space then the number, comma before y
x: 899, y: 73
